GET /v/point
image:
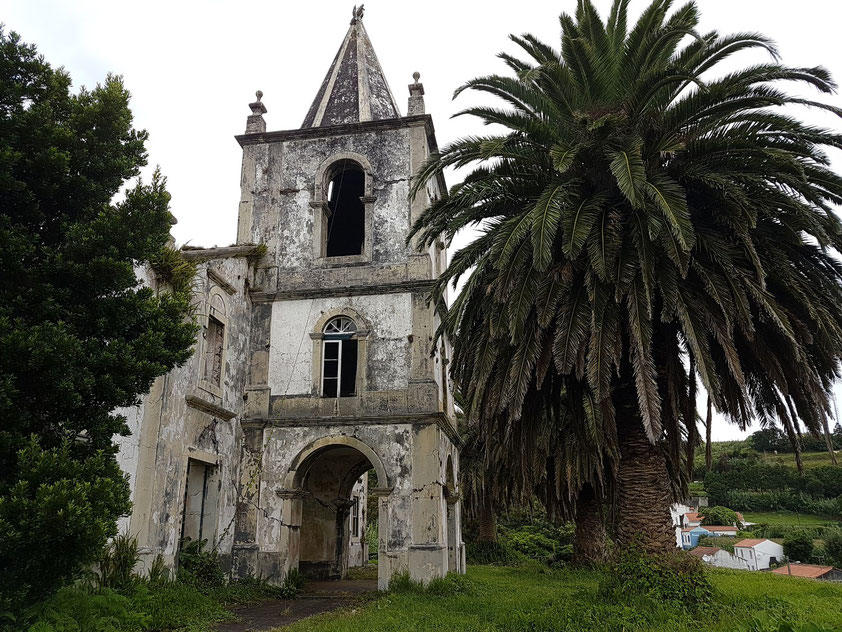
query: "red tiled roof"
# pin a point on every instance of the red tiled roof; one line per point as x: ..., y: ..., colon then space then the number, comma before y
x: 718, y: 528
x: 750, y: 542
x: 803, y: 570
x: 693, y: 516
x: 700, y: 551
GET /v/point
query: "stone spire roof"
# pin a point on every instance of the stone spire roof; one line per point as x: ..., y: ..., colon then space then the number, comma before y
x: 355, y: 88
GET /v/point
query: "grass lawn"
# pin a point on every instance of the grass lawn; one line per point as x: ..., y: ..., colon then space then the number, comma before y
x: 810, y: 459
x: 529, y: 598
x: 789, y: 518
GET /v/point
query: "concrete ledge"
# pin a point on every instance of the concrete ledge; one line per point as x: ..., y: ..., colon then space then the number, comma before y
x: 199, y: 403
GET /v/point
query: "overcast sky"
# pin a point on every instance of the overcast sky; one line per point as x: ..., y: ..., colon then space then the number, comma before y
x: 193, y: 67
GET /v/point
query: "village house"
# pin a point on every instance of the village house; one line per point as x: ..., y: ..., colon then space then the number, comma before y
x: 759, y: 554
x: 720, y: 558
x: 690, y: 535
x: 809, y: 571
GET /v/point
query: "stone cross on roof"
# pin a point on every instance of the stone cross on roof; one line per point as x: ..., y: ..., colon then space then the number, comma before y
x: 354, y: 89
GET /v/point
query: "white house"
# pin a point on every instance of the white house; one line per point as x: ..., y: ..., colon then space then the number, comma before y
x: 720, y: 558
x: 759, y: 554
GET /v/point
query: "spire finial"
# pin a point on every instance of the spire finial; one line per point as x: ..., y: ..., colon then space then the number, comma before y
x: 357, y: 13
x: 255, y: 121
x: 416, y: 96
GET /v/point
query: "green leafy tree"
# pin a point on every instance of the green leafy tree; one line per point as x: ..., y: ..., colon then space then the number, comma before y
x: 798, y: 546
x: 80, y: 336
x: 719, y: 516
x: 648, y: 223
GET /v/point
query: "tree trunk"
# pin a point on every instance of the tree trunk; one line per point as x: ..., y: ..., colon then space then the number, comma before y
x: 828, y: 439
x: 589, y: 538
x: 708, y: 426
x: 487, y: 520
x: 793, y: 440
x: 643, y: 491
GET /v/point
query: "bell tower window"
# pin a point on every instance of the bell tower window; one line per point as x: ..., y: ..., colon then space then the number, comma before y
x: 345, y: 210
x: 339, y: 358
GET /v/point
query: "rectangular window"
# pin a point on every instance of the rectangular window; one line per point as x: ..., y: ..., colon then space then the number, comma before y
x: 355, y: 517
x: 339, y: 368
x: 214, y: 345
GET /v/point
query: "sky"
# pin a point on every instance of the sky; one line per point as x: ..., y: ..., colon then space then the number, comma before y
x: 193, y: 67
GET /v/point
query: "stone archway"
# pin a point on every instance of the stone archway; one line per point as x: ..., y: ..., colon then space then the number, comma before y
x: 323, y: 476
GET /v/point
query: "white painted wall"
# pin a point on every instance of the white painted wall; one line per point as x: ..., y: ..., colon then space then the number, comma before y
x: 758, y: 557
x: 723, y: 559
x: 291, y: 351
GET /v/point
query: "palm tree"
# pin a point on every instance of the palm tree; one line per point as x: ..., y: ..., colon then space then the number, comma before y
x: 646, y: 225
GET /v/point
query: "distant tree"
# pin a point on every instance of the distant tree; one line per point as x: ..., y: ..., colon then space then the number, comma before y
x: 769, y: 440
x: 833, y: 548
x: 79, y: 335
x: 798, y: 546
x: 719, y: 516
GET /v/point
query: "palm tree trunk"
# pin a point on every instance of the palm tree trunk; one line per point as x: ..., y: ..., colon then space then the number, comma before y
x: 828, y: 439
x: 487, y: 520
x: 708, y: 426
x: 793, y: 440
x: 589, y: 538
x: 643, y: 492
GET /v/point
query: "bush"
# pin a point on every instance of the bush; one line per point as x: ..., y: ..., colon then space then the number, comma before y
x: 76, y: 609
x: 798, y: 546
x: 197, y: 566
x: 833, y: 547
x: 674, y: 577
x: 499, y: 553
x: 718, y: 515
x: 116, y: 566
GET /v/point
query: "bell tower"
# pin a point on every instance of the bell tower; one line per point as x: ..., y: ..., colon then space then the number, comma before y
x: 343, y: 374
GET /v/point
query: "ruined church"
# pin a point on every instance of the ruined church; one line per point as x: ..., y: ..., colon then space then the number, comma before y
x: 316, y: 361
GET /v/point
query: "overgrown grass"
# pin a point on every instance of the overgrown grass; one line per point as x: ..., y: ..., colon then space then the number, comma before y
x: 533, y: 597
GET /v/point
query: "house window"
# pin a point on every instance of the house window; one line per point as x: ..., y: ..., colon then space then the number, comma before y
x: 346, y: 211
x: 355, y: 517
x: 200, y: 498
x: 339, y: 358
x: 214, y: 344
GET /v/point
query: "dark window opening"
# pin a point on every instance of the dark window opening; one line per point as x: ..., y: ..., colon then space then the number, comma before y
x: 346, y: 214
x: 339, y: 359
x: 214, y: 345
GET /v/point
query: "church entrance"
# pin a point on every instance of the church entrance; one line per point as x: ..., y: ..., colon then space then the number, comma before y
x: 333, y: 536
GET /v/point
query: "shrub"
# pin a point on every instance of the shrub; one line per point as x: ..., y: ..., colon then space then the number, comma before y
x: 477, y: 552
x: 75, y: 609
x: 294, y: 582
x: 450, y: 584
x: 116, y: 566
x: 718, y: 515
x: 833, y: 547
x: 197, y: 566
x: 798, y: 546
x: 674, y: 577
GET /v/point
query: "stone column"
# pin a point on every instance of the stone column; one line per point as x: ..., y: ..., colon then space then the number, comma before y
x: 428, y: 549
x: 245, y: 549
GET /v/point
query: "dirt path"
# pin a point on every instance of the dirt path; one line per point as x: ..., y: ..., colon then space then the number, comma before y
x: 318, y: 597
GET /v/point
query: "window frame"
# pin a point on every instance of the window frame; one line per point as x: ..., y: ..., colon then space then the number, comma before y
x: 338, y: 338
x: 318, y: 338
x: 217, y: 313
x: 321, y: 211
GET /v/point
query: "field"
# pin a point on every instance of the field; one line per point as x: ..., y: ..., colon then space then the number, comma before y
x: 789, y: 518
x: 533, y: 598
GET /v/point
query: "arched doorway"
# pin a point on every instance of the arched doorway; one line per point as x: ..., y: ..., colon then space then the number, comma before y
x: 330, y: 477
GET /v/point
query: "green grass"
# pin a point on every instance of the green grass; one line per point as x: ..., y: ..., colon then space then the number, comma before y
x: 789, y: 518
x: 533, y: 598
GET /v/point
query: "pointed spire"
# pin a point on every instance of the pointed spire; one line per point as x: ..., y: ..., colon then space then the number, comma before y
x: 355, y: 88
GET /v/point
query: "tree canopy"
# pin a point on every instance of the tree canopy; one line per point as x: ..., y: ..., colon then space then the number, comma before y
x: 648, y: 223
x: 81, y: 337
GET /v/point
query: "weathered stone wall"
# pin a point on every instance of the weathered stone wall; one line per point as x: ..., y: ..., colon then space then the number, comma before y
x: 185, y: 416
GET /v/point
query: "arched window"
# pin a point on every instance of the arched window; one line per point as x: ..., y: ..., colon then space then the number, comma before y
x: 346, y: 210
x: 339, y: 358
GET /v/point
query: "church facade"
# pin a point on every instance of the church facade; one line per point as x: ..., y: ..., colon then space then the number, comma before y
x: 316, y: 361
